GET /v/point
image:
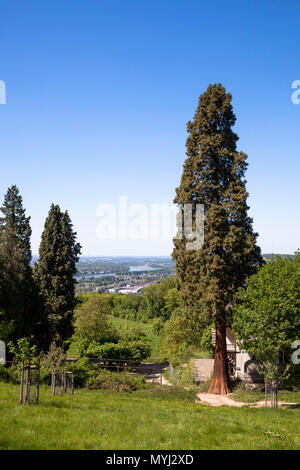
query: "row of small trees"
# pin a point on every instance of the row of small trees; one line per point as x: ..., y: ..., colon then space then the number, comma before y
x: 37, y: 301
x: 29, y: 362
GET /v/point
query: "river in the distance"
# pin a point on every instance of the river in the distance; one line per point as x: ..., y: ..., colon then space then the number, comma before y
x: 90, y: 276
x: 131, y: 270
x: 141, y: 268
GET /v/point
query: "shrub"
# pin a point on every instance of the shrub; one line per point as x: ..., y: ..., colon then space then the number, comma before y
x: 45, y: 373
x: 10, y: 374
x: 79, y: 346
x: 83, y: 371
x: 5, y: 374
x: 130, y: 350
x: 117, y: 381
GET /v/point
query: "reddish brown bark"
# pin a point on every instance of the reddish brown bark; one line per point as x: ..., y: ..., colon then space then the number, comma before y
x: 221, y: 382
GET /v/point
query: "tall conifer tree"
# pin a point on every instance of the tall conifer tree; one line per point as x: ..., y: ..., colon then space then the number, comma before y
x: 16, y: 274
x: 54, y: 274
x: 213, y: 175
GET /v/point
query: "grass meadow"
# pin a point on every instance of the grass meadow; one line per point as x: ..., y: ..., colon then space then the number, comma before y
x: 153, y: 418
x: 124, y: 325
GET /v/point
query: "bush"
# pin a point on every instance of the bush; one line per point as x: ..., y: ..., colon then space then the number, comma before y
x: 45, y: 373
x: 130, y: 350
x: 10, y: 374
x: 79, y: 346
x: 83, y: 371
x: 5, y: 374
x: 117, y: 381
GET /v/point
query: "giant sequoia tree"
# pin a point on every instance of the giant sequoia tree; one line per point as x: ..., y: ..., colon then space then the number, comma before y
x: 17, y: 292
x: 54, y: 274
x: 213, y: 175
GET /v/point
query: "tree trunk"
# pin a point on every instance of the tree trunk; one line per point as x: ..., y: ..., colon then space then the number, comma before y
x: 274, y: 402
x: 221, y: 382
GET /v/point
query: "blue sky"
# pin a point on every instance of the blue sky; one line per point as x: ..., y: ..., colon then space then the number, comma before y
x: 99, y: 93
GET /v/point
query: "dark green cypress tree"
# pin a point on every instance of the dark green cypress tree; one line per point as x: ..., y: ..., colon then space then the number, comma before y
x: 213, y: 175
x: 16, y: 294
x: 54, y: 274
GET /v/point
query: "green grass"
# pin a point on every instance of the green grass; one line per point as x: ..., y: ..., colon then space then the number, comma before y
x: 123, y: 325
x: 154, y: 418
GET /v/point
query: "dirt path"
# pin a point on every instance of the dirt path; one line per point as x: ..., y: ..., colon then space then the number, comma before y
x: 154, y: 372
x: 226, y: 400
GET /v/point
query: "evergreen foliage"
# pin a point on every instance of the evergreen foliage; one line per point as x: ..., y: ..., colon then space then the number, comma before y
x: 213, y: 175
x: 55, y: 275
x: 17, y: 293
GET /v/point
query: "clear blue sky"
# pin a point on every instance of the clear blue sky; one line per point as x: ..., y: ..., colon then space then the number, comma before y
x: 99, y: 93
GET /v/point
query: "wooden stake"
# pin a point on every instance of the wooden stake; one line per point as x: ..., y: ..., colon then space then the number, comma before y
x: 62, y: 382
x: 37, y: 392
x: 22, y: 384
x: 27, y: 394
x: 53, y: 382
x: 65, y: 382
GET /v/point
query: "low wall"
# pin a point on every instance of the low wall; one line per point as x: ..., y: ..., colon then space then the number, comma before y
x: 203, y: 369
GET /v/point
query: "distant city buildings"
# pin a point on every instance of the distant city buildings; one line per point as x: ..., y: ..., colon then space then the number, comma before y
x: 119, y: 275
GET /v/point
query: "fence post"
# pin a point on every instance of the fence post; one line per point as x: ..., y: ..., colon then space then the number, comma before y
x: 53, y: 382
x: 37, y: 393
x: 65, y: 381
x: 22, y: 384
x: 62, y: 382
x: 27, y: 384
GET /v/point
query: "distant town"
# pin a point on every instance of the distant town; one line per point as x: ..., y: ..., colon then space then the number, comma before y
x: 125, y: 275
